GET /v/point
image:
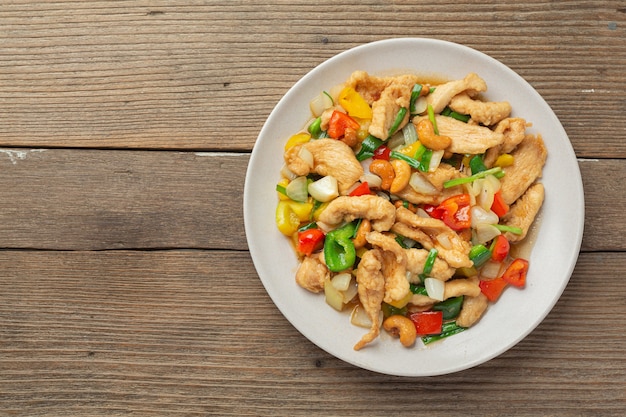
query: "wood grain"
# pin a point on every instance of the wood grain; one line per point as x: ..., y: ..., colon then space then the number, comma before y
x: 126, y: 287
x: 97, y: 199
x: 204, y: 76
x: 94, y: 199
x: 192, y: 333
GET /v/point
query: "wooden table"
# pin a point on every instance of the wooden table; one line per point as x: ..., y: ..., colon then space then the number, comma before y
x: 126, y: 286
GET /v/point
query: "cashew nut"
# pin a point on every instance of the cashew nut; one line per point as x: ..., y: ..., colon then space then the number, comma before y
x: 350, y: 137
x: 402, y: 172
x: 364, y: 228
x: 426, y: 135
x: 384, y: 170
x: 401, y: 326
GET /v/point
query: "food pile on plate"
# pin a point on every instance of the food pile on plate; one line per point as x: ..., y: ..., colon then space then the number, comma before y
x: 409, y: 202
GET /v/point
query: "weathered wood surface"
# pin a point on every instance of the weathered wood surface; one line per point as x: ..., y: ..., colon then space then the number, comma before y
x: 146, y: 74
x: 194, y: 333
x: 125, y: 282
x: 106, y: 199
x: 102, y: 199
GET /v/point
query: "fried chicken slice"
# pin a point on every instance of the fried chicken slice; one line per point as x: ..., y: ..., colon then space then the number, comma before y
x: 394, y: 265
x: 529, y: 159
x: 416, y: 258
x: 371, y: 291
x: 442, y: 95
x: 379, y: 211
x: 330, y: 157
x: 472, y: 309
x: 434, y: 233
x: 467, y: 138
x: 312, y: 273
x: 386, y: 95
x: 485, y: 112
x: 522, y: 214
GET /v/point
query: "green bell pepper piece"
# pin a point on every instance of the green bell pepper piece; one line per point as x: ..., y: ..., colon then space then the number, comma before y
x: 450, y: 307
x: 339, y: 251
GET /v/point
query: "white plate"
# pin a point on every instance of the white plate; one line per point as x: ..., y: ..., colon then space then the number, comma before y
x: 506, y: 322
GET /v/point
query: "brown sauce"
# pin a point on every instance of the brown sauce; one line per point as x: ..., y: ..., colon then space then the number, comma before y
x: 524, y: 248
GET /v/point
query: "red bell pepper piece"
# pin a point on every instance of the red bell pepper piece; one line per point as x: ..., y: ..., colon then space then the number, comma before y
x: 432, y: 211
x: 310, y: 240
x: 499, y: 206
x: 362, y: 189
x: 338, y: 124
x: 453, y: 211
x: 500, y: 249
x: 492, y: 288
x: 515, y: 274
x: 382, y: 152
x: 427, y: 322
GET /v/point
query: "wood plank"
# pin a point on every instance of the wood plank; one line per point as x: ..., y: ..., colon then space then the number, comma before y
x: 190, y: 333
x: 92, y: 199
x: 604, y: 223
x: 89, y: 79
x: 88, y: 199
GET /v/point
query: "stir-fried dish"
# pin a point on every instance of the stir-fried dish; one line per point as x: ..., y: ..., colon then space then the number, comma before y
x: 403, y: 200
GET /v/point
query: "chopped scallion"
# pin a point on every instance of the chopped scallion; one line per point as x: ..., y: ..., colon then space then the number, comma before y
x: 428, y: 264
x: 400, y: 240
x: 479, y: 254
x: 448, y: 329
x: 308, y: 226
x: 413, y: 163
x: 420, y: 152
x: 430, y: 261
x: 415, y: 93
x: 496, y: 171
x: 281, y: 189
x: 477, y: 165
x: 425, y: 160
x: 421, y: 160
x: 418, y: 289
x: 330, y: 97
x: 398, y: 121
x: 513, y: 229
x: 368, y: 146
x: 431, y: 117
x: 455, y: 115
x: 356, y: 229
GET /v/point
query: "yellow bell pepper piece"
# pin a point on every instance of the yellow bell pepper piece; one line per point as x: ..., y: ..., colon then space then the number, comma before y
x: 297, y: 139
x: 354, y: 103
x: 302, y: 210
x: 411, y: 149
x: 403, y: 301
x: 286, y: 219
x: 504, y: 160
x: 319, y: 210
x: 361, y: 251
